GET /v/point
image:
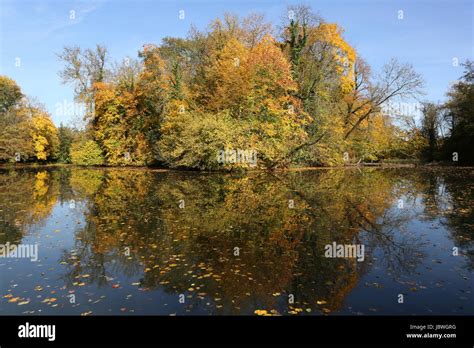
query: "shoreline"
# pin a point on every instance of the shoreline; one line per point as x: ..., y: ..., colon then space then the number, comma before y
x: 289, y: 169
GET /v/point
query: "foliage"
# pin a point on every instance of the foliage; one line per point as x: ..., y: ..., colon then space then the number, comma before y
x: 193, y: 140
x: 459, y: 114
x: 84, y: 68
x: 86, y: 153
x: 45, y: 137
x: 26, y: 129
x: 10, y: 94
x: 304, y: 97
x: 66, y: 137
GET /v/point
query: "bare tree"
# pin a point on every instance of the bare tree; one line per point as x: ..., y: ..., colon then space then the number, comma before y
x: 83, y: 69
x: 126, y: 73
x: 396, y: 80
x: 255, y: 28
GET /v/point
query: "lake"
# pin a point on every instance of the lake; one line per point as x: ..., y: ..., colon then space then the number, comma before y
x: 141, y: 242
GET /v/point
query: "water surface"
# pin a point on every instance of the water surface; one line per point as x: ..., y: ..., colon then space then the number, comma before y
x: 123, y: 241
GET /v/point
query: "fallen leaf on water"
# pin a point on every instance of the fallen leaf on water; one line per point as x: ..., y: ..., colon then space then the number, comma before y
x: 49, y: 300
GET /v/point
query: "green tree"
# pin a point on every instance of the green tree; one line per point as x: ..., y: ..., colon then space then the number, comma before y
x: 66, y: 136
x: 459, y: 112
x: 86, y: 153
x: 430, y: 130
x: 10, y: 94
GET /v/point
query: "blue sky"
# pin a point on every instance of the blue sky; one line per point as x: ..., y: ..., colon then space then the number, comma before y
x: 429, y: 36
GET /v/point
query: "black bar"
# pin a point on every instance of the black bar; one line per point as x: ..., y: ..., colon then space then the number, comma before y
x: 195, y: 330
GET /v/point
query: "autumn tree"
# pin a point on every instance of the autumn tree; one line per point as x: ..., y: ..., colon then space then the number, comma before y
x: 26, y: 129
x: 84, y: 68
x: 305, y: 98
x: 15, y: 137
x: 322, y: 65
x: 397, y: 80
x: 44, y: 134
x: 10, y: 94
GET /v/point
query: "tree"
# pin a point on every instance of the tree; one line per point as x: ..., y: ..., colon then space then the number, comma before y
x: 117, y: 126
x: 26, y: 129
x: 193, y: 140
x: 322, y: 65
x: 86, y: 153
x: 126, y: 74
x: 83, y: 69
x: 15, y: 136
x: 10, y: 94
x: 430, y: 127
x: 152, y: 96
x: 397, y: 80
x: 66, y: 137
x: 45, y: 135
x: 306, y: 98
x: 229, y: 79
x: 296, y: 34
x: 459, y: 112
x: 278, y: 117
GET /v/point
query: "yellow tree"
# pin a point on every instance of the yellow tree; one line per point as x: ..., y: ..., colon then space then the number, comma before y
x: 117, y: 126
x: 45, y: 137
x: 329, y: 37
x: 230, y: 77
x: 322, y: 65
x: 278, y: 116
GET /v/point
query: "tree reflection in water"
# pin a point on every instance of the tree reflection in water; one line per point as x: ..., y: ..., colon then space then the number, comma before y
x: 180, y: 231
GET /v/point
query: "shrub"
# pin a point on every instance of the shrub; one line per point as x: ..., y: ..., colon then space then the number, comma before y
x: 86, y: 153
